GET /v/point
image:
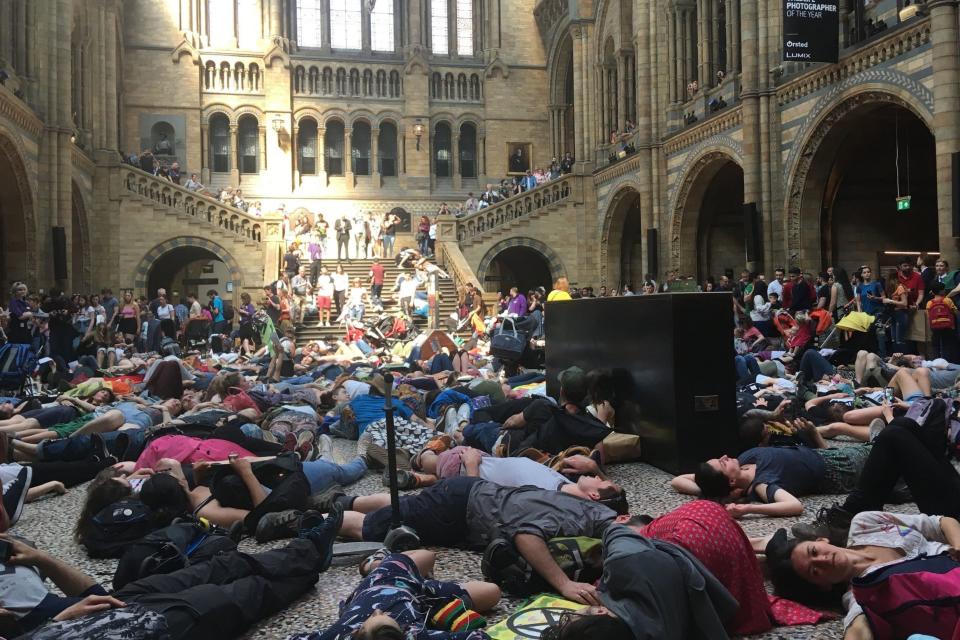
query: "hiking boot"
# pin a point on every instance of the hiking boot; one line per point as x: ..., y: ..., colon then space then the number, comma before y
x: 322, y: 532
x: 375, y: 456
x: 325, y: 500
x: 325, y: 448
x: 832, y: 523
x: 278, y: 525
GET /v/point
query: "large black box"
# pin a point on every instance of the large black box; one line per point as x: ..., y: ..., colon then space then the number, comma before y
x: 671, y: 355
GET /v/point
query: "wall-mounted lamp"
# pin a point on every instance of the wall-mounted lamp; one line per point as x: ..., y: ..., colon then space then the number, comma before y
x: 278, y: 127
x: 418, y: 131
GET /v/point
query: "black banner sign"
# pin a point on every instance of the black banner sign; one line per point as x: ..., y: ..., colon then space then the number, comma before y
x: 811, y: 31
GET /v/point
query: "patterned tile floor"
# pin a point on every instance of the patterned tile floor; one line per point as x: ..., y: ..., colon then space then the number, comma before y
x: 50, y: 522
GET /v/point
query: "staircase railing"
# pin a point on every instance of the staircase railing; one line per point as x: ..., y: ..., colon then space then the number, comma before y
x: 454, y: 263
x: 473, y: 225
x: 201, y: 207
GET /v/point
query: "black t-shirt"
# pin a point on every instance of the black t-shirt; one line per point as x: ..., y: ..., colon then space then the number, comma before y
x: 274, y: 312
x: 291, y: 262
x: 798, y: 470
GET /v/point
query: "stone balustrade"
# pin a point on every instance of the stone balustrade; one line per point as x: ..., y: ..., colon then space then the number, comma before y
x: 195, y: 205
x: 474, y: 225
x: 454, y: 263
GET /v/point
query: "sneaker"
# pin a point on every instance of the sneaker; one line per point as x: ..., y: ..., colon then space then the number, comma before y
x: 324, y: 501
x: 376, y: 456
x: 304, y: 446
x: 289, y: 443
x: 15, y: 494
x: 325, y: 447
x: 877, y: 425
x: 832, y: 523
x: 323, y: 533
x: 278, y: 525
x: 406, y: 480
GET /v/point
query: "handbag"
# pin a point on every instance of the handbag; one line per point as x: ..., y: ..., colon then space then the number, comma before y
x: 237, y: 400
x: 508, y: 346
x: 620, y: 447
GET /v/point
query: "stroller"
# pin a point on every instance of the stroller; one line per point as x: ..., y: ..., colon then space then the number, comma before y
x: 197, y: 334
x: 17, y: 363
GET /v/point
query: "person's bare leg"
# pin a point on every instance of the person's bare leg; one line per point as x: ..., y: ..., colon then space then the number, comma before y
x: 352, y: 526
x: 369, y: 504
x: 40, y: 436
x: 922, y: 377
x: 483, y: 595
x: 24, y: 451
x: 860, y: 365
x: 110, y: 421
x: 25, y: 424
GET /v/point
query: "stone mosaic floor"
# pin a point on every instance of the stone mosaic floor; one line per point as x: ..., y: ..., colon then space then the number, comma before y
x: 50, y: 522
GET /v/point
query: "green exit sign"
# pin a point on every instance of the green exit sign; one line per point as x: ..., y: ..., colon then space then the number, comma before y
x: 903, y: 203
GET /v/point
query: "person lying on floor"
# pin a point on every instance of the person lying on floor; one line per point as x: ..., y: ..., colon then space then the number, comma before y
x: 909, y: 385
x: 219, y: 598
x: 66, y: 409
x: 132, y: 413
x: 513, y: 472
x: 472, y: 512
x: 650, y: 590
x: 400, y: 599
x: 819, y: 573
x: 775, y: 476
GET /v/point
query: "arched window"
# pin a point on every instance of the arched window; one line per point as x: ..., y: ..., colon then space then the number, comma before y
x: 475, y: 87
x: 360, y: 148
x: 368, y: 82
x: 439, y: 29
x: 327, y: 88
x: 396, y: 88
x: 346, y: 24
x: 341, y: 82
x: 468, y: 150
x: 248, y: 23
x: 387, y: 144
x: 307, y: 146
x: 333, y: 147
x: 354, y: 82
x: 254, y: 77
x: 308, y: 22
x: 436, y: 86
x: 219, y: 143
x: 449, y: 87
x: 240, y: 77
x: 462, y: 91
x: 210, y: 75
x: 300, y: 80
x: 381, y: 26
x: 381, y: 84
x: 249, y: 142
x: 465, y: 27
x: 314, y: 80
x: 441, y: 150
x: 225, y: 76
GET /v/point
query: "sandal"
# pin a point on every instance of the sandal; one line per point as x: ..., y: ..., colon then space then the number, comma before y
x: 377, y: 556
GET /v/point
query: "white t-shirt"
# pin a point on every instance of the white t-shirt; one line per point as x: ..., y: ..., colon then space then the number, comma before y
x: 355, y: 388
x: 165, y: 312
x: 341, y: 281
x: 518, y: 472
x: 356, y: 296
x: 776, y: 287
x: 408, y: 288
x: 324, y: 286
x: 914, y: 535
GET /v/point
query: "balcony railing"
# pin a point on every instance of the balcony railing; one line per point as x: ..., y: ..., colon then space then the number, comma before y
x: 184, y: 201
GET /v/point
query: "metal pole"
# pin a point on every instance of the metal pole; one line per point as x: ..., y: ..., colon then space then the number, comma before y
x: 391, y: 451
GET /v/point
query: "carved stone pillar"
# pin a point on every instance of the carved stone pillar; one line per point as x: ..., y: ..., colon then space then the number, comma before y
x: 204, y: 152
x: 234, y: 156
x: 263, y: 148
x: 622, y: 71
x: 455, y: 161
x: 348, y: 156
x: 482, y: 157
x: 322, y: 155
x: 375, y: 156
x: 295, y: 155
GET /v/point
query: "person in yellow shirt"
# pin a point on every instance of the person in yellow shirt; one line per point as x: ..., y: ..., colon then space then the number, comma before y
x: 561, y: 290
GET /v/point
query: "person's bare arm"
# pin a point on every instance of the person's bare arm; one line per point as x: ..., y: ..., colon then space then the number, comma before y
x: 951, y: 531
x: 68, y: 579
x: 858, y: 629
x: 811, y: 403
x: 534, y: 550
x: 243, y: 469
x: 784, y: 504
x: 471, y: 460
x: 516, y: 421
x: 685, y: 484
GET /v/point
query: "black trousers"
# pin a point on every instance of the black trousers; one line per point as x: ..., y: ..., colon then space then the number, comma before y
x: 916, y: 454
x: 500, y: 412
x: 226, y: 595
x: 69, y: 473
x: 343, y: 242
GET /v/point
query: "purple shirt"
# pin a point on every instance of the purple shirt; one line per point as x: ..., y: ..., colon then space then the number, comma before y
x: 518, y: 305
x: 18, y: 330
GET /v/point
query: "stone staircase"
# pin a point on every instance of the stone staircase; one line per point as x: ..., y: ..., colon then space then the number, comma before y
x: 360, y: 268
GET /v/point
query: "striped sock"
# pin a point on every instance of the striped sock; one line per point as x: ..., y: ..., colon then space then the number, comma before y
x: 456, y: 617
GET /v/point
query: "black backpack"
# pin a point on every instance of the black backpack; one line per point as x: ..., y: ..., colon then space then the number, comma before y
x: 185, y: 542
x: 228, y: 312
x: 116, y: 526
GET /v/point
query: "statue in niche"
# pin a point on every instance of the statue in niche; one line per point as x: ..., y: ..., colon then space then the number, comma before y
x: 163, y: 146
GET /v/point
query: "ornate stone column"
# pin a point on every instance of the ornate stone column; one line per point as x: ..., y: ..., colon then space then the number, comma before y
x: 295, y: 155
x: 263, y: 148
x: 672, y: 66
x: 623, y: 69
x: 234, y: 156
x: 375, y: 156
x: 321, y: 154
x: 482, y: 156
x: 204, y: 152
x: 348, y: 156
x: 946, y: 114
x: 455, y: 161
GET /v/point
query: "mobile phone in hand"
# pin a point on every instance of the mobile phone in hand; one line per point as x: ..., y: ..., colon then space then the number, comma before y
x: 888, y: 395
x: 6, y: 551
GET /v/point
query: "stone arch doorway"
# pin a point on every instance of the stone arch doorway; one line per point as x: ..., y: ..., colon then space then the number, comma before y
x: 519, y: 262
x: 711, y: 240
x: 80, y: 268
x: 188, y: 265
x: 842, y: 207
x: 17, y: 231
x: 623, y: 241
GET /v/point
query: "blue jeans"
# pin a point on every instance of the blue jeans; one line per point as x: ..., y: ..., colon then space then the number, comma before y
x: 322, y: 474
x: 482, y: 435
x: 82, y: 447
x: 747, y: 368
x: 898, y: 329
x: 814, y: 366
x: 388, y: 241
x: 526, y: 378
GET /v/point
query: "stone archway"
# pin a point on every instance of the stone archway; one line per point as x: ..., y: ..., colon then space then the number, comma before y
x: 622, y: 244
x: 18, y: 233
x: 816, y: 178
x: 528, y: 262
x: 707, y: 227
x: 184, y: 250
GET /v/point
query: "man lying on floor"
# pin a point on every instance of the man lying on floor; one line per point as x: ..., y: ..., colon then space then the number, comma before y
x: 219, y: 598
